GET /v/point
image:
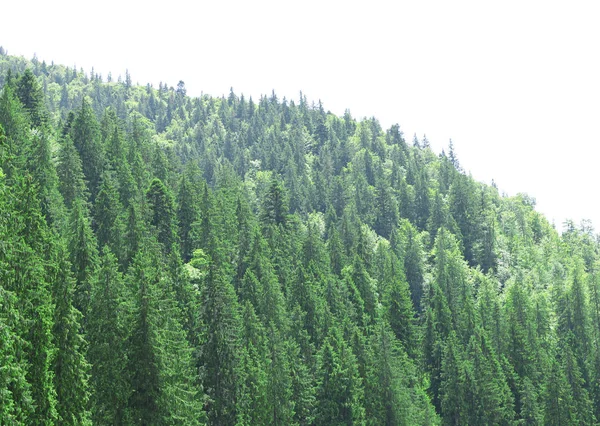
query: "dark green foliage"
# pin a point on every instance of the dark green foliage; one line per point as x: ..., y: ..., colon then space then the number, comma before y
x: 15, y: 392
x: 275, y: 209
x: 162, y: 213
x: 339, y: 391
x: 161, y: 381
x: 106, y: 352
x: 69, y: 365
x: 85, y: 133
x: 83, y: 249
x: 108, y: 218
x: 30, y: 280
x: 71, y: 180
x: 398, y: 307
x: 220, y: 357
x: 31, y: 96
x: 187, y: 214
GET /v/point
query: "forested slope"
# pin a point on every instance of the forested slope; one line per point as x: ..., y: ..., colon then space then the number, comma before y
x: 227, y: 261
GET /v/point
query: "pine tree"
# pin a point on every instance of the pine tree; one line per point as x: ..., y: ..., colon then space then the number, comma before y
x: 522, y: 345
x: 339, y: 389
x: 30, y: 283
x: 16, y: 404
x: 386, y: 388
x: 159, y: 358
x: 31, y: 96
x: 386, y: 216
x: 17, y: 132
x: 456, y: 375
x: 253, y: 408
x: 71, y: 179
x: 187, y: 214
x: 491, y: 398
x: 220, y: 358
x: 162, y: 213
x: 83, y: 250
x: 107, y: 216
x: 275, y: 207
x: 398, y: 307
x: 279, y: 389
x: 407, y: 246
x: 450, y: 274
x: 107, y: 335
x: 559, y: 408
x: 86, y: 136
x: 69, y: 364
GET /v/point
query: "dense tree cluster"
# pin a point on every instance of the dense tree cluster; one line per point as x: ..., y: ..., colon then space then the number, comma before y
x: 223, y: 261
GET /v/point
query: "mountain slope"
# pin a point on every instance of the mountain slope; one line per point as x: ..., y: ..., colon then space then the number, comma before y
x: 223, y: 261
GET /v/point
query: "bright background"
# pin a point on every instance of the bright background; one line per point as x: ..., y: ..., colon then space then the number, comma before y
x: 515, y: 84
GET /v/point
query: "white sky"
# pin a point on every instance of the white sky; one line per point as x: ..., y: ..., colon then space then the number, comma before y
x: 515, y: 84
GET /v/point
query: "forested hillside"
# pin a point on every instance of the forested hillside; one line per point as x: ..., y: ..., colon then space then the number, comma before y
x: 168, y: 260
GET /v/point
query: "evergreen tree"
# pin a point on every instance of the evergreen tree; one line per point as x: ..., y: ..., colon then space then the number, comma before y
x: 275, y: 208
x: 31, y: 96
x: 15, y: 395
x: 398, y: 307
x: 69, y: 365
x: 107, y: 334
x: 253, y: 406
x: 107, y: 216
x: 187, y: 214
x: 406, y: 243
x: 220, y: 358
x: 83, y: 254
x: 316, y: 270
x: 162, y: 213
x: 86, y: 136
x: 339, y: 390
x: 30, y: 282
x: 71, y: 180
x: 159, y: 358
x: 456, y: 376
x: 15, y: 392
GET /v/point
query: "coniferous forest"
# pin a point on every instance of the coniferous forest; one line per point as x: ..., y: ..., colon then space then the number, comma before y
x: 169, y: 260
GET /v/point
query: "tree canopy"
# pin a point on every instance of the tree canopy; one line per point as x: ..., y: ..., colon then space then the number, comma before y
x: 172, y: 260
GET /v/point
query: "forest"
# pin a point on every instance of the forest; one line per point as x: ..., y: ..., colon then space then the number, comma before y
x: 177, y: 260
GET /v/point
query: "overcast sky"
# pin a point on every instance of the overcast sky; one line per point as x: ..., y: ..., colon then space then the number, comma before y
x: 514, y: 84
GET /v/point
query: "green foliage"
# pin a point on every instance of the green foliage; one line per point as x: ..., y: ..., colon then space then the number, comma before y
x: 220, y: 359
x: 71, y: 180
x: 340, y: 391
x: 161, y: 382
x: 107, y: 334
x: 176, y: 260
x: 162, y: 213
x: 86, y: 136
x: 69, y: 364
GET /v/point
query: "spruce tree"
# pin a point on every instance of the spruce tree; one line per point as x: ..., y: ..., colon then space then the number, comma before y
x: 107, y: 333
x: 83, y: 248
x: 162, y: 213
x: 70, y: 368
x: 163, y: 390
x: 16, y: 404
x: 71, y: 179
x: 108, y: 220
x: 220, y: 358
x: 86, y: 136
x: 31, y: 96
x: 339, y: 386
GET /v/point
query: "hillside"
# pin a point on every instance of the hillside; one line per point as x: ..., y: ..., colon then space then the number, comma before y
x: 229, y: 261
